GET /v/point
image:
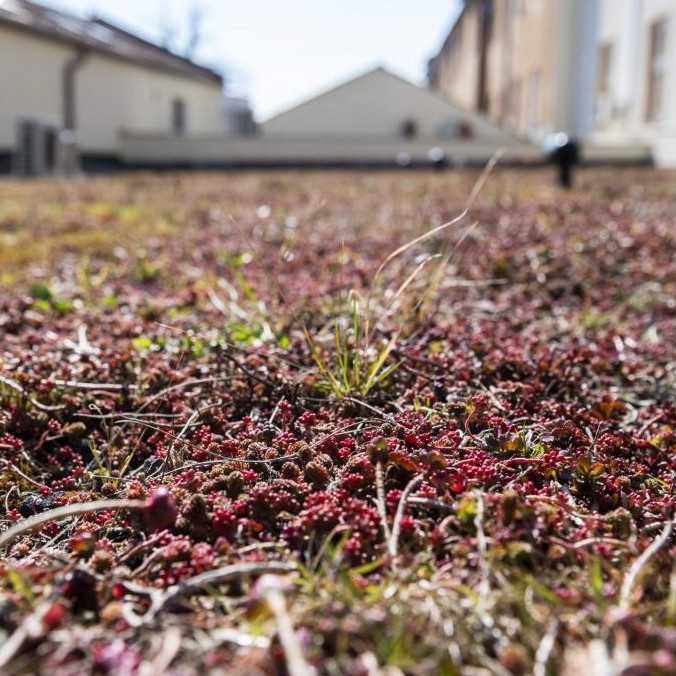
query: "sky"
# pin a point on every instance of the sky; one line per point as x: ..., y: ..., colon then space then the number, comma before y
x: 280, y: 52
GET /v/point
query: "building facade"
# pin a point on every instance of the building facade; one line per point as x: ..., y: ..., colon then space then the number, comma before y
x: 528, y: 64
x: 636, y: 76
x: 95, y: 81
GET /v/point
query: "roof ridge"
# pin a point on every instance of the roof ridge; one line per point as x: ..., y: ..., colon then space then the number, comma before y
x: 62, y: 26
x: 100, y: 21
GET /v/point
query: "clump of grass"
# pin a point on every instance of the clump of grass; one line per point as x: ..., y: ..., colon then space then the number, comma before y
x: 357, y: 369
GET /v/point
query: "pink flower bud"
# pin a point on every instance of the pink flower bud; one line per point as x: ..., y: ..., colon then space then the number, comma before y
x: 160, y: 511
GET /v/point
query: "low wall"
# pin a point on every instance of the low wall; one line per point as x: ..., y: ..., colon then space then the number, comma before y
x: 153, y: 150
x: 665, y: 152
x: 617, y: 153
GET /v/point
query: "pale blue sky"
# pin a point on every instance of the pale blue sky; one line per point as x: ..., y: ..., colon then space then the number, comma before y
x: 282, y: 51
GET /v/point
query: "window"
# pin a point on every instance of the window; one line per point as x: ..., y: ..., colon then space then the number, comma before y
x: 604, y: 69
x: 534, y: 100
x: 515, y: 104
x: 465, y: 131
x: 178, y: 117
x: 603, y: 103
x: 409, y: 129
x: 657, y: 69
x: 50, y: 149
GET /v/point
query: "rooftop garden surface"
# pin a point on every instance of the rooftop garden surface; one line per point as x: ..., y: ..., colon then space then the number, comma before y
x: 338, y: 423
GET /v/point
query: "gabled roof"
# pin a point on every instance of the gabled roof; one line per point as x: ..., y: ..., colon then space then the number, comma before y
x: 376, y: 103
x: 100, y: 36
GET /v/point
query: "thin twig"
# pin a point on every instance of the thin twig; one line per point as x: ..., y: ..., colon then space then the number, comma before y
x: 545, y: 648
x: 648, y: 423
x: 63, y: 513
x: 225, y: 461
x: 171, y: 644
x: 31, y: 625
x: 212, y: 577
x: 13, y: 385
x: 142, y: 546
x: 380, y: 501
x: 484, y: 587
x: 478, y: 186
x: 178, y: 386
x: 295, y: 661
x: 77, y: 385
x: 393, y: 543
x: 431, y: 504
x: 16, y: 470
x: 640, y: 563
x: 177, y: 438
x: 382, y: 414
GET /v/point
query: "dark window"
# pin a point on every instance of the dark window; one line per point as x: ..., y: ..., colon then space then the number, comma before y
x: 465, y: 130
x: 27, y: 151
x: 50, y: 149
x: 178, y: 121
x: 604, y: 69
x: 657, y: 69
x: 409, y: 129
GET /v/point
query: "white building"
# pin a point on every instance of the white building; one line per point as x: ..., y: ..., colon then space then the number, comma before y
x: 636, y: 76
x: 97, y: 80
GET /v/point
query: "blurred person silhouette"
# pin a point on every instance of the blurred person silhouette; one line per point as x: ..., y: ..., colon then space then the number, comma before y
x: 564, y: 152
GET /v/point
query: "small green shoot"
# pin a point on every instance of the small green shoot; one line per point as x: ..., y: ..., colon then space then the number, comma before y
x: 355, y: 371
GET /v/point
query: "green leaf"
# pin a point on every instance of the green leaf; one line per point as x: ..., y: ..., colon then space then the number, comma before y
x: 41, y: 292
x: 596, y: 579
x: 20, y: 585
x: 244, y: 334
x: 142, y: 344
x: 62, y: 306
x: 110, y: 302
x: 42, y: 305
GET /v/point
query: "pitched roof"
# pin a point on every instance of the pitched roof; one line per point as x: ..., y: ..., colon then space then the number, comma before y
x: 98, y: 35
x: 375, y: 103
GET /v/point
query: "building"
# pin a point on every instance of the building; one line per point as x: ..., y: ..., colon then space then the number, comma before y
x: 239, y: 118
x: 96, y: 81
x: 374, y: 119
x: 636, y: 76
x: 529, y: 65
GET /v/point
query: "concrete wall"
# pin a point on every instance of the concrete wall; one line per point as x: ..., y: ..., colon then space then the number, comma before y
x: 111, y: 94
x: 219, y: 151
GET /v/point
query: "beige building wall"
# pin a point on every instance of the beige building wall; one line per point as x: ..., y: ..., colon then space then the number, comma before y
x: 115, y: 95
x: 522, y: 64
x: 111, y: 95
x: 459, y: 62
x: 538, y: 77
x: 30, y: 81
